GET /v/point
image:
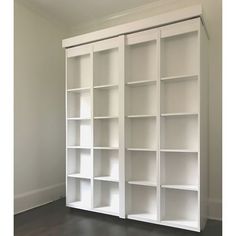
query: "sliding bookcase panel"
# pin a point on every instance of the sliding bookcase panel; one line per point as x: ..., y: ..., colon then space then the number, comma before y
x: 136, y: 123
x: 179, y: 126
x: 106, y: 165
x: 78, y: 74
x: 79, y: 163
x: 106, y: 197
x: 78, y: 193
x: 141, y: 107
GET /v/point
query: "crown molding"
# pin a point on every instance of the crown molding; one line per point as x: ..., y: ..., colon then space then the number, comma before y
x: 137, y: 13
x: 135, y: 26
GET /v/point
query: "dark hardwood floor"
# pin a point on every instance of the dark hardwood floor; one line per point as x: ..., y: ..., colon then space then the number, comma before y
x: 56, y: 219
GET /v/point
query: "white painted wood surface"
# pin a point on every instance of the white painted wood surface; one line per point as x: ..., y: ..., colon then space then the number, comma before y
x: 136, y: 121
x: 156, y: 21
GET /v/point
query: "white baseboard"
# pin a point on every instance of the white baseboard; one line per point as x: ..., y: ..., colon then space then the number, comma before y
x: 214, y: 209
x: 35, y: 198
x: 39, y: 197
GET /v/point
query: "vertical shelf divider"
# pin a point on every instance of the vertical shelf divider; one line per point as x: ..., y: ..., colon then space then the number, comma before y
x: 198, y: 121
x: 122, y: 60
x: 158, y: 163
x: 66, y: 115
x: 92, y: 126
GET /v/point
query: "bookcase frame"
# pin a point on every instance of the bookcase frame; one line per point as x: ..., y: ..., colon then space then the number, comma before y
x: 142, y: 99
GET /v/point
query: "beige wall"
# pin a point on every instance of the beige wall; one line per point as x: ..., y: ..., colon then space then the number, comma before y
x: 39, y: 99
x: 39, y: 110
x: 213, y: 15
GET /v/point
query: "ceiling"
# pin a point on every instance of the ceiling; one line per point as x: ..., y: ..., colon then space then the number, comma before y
x: 74, y: 12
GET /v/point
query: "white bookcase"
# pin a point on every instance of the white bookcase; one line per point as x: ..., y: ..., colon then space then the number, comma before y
x: 136, y: 125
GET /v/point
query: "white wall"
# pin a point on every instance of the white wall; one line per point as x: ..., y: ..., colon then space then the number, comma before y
x: 39, y: 163
x: 213, y: 17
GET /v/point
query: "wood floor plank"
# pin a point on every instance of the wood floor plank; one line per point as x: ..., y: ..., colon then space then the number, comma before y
x: 54, y: 219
